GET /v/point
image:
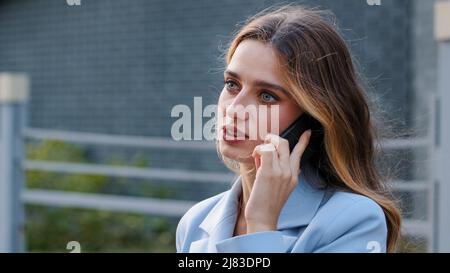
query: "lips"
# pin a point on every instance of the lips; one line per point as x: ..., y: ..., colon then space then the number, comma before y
x: 232, y: 133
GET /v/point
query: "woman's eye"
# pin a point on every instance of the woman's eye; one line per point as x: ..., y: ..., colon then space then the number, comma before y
x: 267, y: 97
x: 231, y: 86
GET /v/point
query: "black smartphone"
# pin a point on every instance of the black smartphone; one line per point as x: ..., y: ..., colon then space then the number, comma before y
x: 297, y: 128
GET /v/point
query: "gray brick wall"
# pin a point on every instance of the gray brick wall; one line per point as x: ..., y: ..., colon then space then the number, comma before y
x: 119, y: 66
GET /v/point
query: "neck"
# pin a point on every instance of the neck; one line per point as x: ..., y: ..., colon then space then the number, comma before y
x: 248, y: 173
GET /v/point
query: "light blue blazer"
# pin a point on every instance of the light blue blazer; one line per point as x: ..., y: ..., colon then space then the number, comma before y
x: 314, y: 219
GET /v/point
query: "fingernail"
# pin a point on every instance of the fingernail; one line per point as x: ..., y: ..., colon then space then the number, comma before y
x: 268, y: 147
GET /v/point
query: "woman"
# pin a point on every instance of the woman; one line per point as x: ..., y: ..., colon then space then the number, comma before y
x: 294, y: 59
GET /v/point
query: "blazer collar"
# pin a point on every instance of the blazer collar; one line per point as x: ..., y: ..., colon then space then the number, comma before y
x: 299, y: 209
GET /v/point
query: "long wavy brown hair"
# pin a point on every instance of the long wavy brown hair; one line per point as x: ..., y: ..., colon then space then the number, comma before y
x: 321, y: 78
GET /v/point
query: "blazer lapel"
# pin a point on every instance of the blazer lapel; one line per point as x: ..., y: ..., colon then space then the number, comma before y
x: 220, y: 221
x: 299, y: 209
x: 304, y: 200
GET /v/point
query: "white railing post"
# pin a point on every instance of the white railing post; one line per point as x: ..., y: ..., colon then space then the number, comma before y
x: 13, y: 96
x: 442, y: 219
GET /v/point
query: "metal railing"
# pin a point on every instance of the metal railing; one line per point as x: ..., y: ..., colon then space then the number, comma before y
x: 117, y: 203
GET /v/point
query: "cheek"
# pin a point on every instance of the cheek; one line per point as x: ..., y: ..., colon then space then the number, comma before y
x: 225, y: 99
x: 286, y: 115
x: 285, y: 121
x: 275, y: 119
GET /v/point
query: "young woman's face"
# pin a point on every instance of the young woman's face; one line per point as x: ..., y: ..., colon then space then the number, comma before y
x: 253, y: 80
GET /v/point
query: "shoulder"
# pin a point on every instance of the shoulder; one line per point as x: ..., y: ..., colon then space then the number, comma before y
x: 342, y: 203
x: 193, y: 217
x: 198, y: 211
x: 350, y: 219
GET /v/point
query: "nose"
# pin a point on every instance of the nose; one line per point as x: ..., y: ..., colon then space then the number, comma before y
x: 238, y: 108
x: 236, y: 113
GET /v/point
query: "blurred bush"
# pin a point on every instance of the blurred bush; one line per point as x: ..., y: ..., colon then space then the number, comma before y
x: 49, y: 229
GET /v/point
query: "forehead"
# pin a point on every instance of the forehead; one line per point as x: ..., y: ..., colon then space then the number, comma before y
x: 255, y: 60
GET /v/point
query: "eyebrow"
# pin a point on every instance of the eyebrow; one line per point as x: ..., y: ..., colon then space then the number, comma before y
x: 260, y: 83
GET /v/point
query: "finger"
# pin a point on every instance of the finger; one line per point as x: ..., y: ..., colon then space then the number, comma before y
x: 266, y: 153
x: 271, y: 139
x: 257, y: 157
x: 282, y: 146
x: 257, y: 160
x: 298, y: 151
x: 283, y: 152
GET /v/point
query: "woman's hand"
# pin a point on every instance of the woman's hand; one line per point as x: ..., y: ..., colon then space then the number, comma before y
x: 276, y: 176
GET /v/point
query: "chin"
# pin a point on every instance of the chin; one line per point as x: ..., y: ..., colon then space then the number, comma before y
x: 234, y: 152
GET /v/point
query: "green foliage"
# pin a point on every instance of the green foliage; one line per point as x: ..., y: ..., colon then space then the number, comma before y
x: 50, y: 228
